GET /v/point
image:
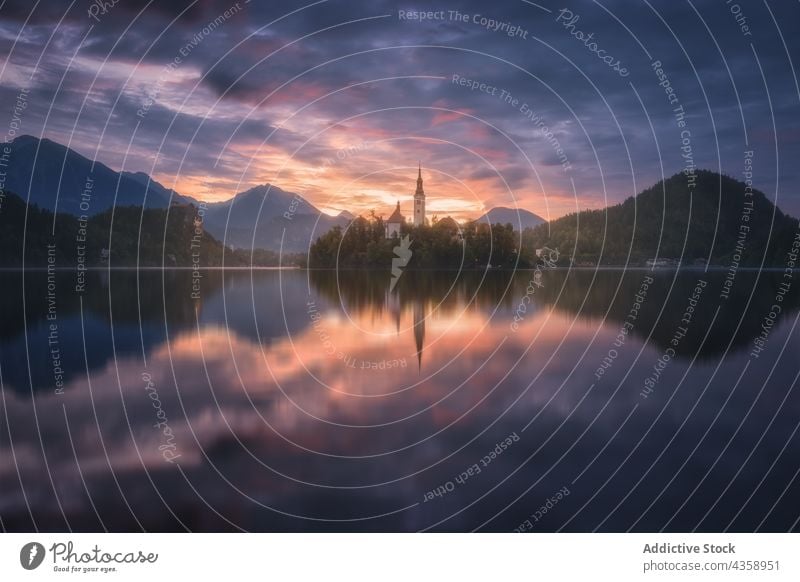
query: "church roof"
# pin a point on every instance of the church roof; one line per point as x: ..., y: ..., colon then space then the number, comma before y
x: 396, y: 216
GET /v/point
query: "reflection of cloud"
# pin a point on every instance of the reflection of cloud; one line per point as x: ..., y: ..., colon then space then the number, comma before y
x: 270, y: 379
x: 262, y: 375
x: 474, y: 369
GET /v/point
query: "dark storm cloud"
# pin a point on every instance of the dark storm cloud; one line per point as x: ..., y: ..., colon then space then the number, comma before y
x: 77, y: 11
x: 594, y: 113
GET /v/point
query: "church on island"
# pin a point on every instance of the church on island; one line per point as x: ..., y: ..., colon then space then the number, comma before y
x: 396, y: 220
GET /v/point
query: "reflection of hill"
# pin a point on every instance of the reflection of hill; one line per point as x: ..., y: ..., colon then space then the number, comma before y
x: 577, y: 298
x: 586, y: 294
x: 260, y: 305
x: 143, y: 307
x: 147, y: 307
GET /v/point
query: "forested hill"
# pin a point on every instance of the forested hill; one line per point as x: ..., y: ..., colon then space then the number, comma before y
x: 718, y: 218
x: 131, y: 236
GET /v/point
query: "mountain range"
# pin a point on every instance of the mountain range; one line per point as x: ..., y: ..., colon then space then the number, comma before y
x: 669, y: 219
x: 61, y: 180
x: 56, y: 178
x: 268, y: 217
x: 126, y: 236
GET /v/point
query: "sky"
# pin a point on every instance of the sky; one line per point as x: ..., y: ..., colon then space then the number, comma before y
x: 552, y: 107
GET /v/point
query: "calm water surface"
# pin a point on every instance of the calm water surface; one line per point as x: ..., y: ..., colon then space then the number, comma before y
x: 295, y: 400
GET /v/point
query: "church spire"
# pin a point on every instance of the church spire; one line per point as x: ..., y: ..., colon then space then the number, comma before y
x: 419, y: 200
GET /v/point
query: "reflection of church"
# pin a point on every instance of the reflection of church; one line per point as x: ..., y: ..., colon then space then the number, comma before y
x: 393, y: 226
x: 418, y: 312
x: 419, y: 329
x: 396, y: 220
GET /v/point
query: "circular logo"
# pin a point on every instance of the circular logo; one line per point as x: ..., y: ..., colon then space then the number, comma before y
x: 31, y: 555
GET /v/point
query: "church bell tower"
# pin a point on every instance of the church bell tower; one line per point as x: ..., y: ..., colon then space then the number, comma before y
x: 419, y: 201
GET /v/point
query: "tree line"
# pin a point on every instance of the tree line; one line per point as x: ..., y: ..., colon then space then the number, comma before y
x: 124, y: 236
x: 718, y: 219
x: 443, y: 244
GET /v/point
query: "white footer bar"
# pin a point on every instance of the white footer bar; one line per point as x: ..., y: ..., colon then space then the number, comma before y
x: 401, y: 557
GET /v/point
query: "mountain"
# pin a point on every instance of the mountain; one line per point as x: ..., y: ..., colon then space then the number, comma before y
x: 718, y: 219
x: 62, y: 180
x: 28, y: 236
x: 515, y: 216
x: 58, y: 177
x: 268, y: 217
x: 160, y: 190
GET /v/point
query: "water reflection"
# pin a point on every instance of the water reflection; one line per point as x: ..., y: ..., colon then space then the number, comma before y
x: 320, y: 400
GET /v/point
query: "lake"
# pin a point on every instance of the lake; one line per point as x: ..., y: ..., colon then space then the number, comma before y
x: 292, y: 400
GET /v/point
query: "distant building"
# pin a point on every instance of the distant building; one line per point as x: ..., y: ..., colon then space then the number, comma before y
x: 394, y: 223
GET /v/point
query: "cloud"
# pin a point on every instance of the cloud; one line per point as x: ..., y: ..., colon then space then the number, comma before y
x: 336, y: 74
